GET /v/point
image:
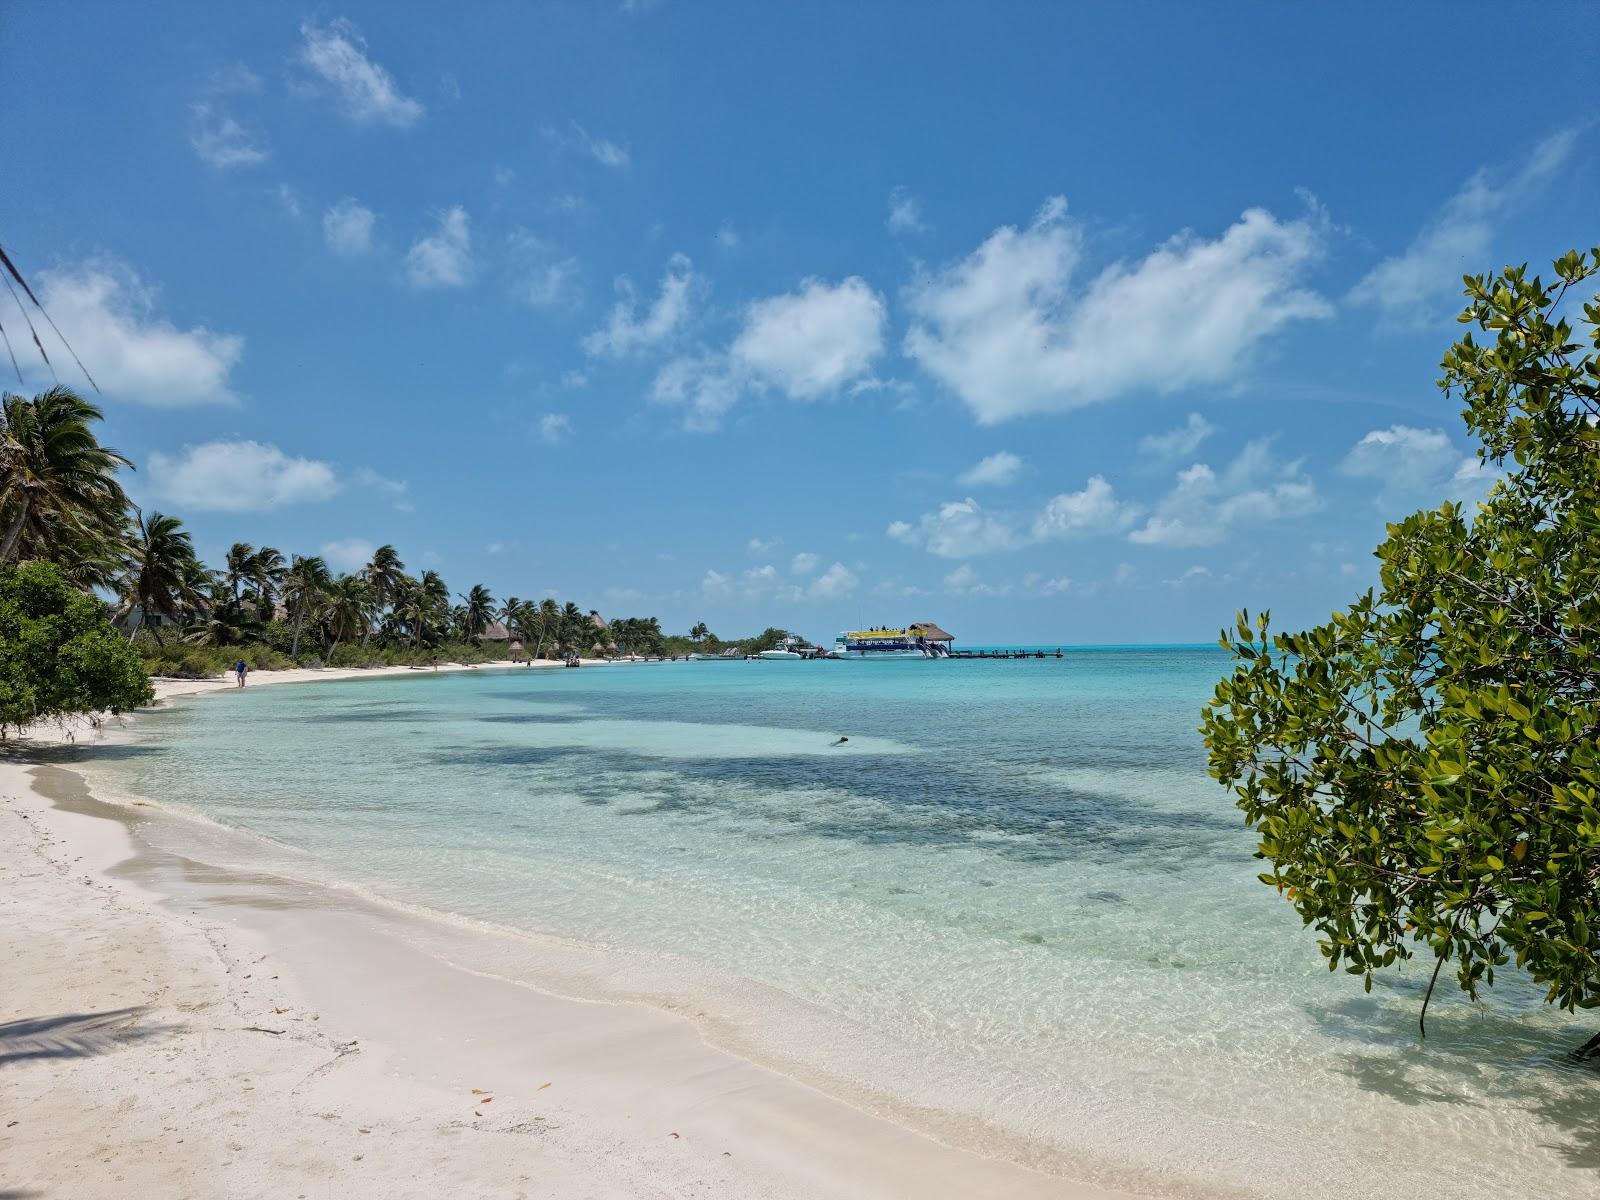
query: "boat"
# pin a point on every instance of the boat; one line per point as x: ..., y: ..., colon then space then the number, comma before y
x: 728, y: 655
x: 790, y: 647
x: 920, y: 639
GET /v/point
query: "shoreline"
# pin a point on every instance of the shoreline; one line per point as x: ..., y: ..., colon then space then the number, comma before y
x: 266, y: 1036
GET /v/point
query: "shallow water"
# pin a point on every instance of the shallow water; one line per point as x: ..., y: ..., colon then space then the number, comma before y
x: 1012, y: 896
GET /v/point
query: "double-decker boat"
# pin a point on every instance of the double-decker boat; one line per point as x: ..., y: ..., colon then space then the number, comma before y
x: 921, y: 639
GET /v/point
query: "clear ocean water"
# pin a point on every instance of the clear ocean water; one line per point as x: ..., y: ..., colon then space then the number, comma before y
x: 1012, y: 906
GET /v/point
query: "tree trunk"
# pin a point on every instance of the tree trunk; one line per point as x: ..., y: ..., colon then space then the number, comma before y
x: 14, y: 531
x: 299, y: 618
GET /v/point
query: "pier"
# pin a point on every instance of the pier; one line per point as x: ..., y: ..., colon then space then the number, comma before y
x: 1056, y: 653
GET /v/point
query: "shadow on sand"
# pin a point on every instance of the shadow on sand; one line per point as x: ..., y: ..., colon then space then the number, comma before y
x: 74, y: 1035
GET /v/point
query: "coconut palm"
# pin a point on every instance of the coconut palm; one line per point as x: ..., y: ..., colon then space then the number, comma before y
x: 549, y: 622
x: 267, y: 570
x: 577, y: 631
x: 477, y: 611
x: 699, y: 633
x: 59, y: 495
x: 305, y: 591
x: 163, y: 577
x: 349, y: 609
x: 383, y: 575
x: 240, y: 569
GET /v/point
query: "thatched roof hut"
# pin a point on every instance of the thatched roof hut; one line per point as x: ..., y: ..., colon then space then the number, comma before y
x: 929, y: 632
x: 495, y: 631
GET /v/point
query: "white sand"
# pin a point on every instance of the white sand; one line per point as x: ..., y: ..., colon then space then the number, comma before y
x: 169, y: 1029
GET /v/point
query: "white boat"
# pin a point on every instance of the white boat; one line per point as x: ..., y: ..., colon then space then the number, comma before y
x: 725, y: 656
x: 788, y: 648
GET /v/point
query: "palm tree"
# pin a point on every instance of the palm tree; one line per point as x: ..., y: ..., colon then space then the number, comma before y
x: 699, y: 633
x: 383, y: 574
x: 577, y: 630
x: 162, y: 575
x: 477, y: 612
x: 349, y: 609
x: 59, y: 495
x: 549, y: 622
x: 305, y: 590
x: 240, y: 568
x: 267, y: 570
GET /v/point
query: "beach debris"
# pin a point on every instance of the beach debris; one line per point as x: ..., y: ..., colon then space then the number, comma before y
x: 261, y: 1029
x: 672, y: 1135
x: 480, y: 1091
x: 280, y: 1010
x: 541, y: 1087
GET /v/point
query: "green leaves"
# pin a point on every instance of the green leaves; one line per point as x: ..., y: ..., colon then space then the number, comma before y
x: 1425, y: 766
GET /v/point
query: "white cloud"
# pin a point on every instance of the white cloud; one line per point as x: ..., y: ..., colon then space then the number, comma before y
x: 242, y: 476
x: 757, y: 545
x: 1180, y: 442
x: 540, y: 277
x: 964, y: 581
x: 1423, y: 282
x: 368, y: 478
x: 1203, y: 506
x: 444, y: 257
x: 110, y: 318
x: 347, y: 228
x: 809, y: 343
x: 837, y: 580
x: 1003, y: 330
x: 715, y: 586
x: 603, y: 150
x: 555, y: 428
x: 727, y: 237
x: 337, y: 55
x: 494, y: 548
x: 960, y: 529
x: 1418, y: 466
x: 1400, y: 451
x: 997, y: 470
x: 348, y: 554
x: 222, y: 142
x: 628, y: 331
x: 288, y: 196
x: 905, y: 214
x: 1094, y: 510
x: 804, y: 563
x: 812, y: 341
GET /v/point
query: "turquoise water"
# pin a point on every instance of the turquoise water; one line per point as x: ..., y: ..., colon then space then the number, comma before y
x: 1012, y: 897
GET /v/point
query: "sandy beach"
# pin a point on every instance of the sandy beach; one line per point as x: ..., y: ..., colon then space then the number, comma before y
x: 172, y: 1029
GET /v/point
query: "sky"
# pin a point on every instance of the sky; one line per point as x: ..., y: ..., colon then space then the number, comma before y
x: 1049, y: 323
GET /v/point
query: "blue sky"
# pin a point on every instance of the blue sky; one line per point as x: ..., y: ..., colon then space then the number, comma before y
x: 1049, y: 323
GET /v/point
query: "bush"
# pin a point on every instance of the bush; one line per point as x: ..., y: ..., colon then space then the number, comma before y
x: 59, y: 654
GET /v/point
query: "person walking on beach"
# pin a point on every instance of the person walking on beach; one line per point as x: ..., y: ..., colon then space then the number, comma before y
x: 240, y: 670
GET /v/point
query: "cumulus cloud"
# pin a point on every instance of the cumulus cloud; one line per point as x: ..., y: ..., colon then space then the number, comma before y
x: 336, y: 56
x: 555, y: 428
x: 243, y: 476
x: 540, y: 276
x: 963, y: 529
x: 1418, y: 466
x: 1204, y: 505
x: 959, y: 529
x: 443, y: 259
x: 964, y: 581
x: 812, y: 341
x: 222, y: 142
x: 1179, y: 442
x: 1005, y: 330
x: 816, y: 341
x: 348, y: 554
x: 1094, y: 510
x: 629, y: 329
x: 804, y: 563
x: 1423, y: 282
x: 347, y: 228
x: 905, y: 213
x: 110, y: 317
x: 997, y: 470
x: 838, y: 580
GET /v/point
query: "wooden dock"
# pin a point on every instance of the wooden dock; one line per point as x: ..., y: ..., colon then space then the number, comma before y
x: 1006, y: 653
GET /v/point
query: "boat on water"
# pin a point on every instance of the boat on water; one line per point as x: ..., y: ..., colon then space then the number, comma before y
x: 790, y: 647
x: 728, y: 655
x: 920, y: 639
